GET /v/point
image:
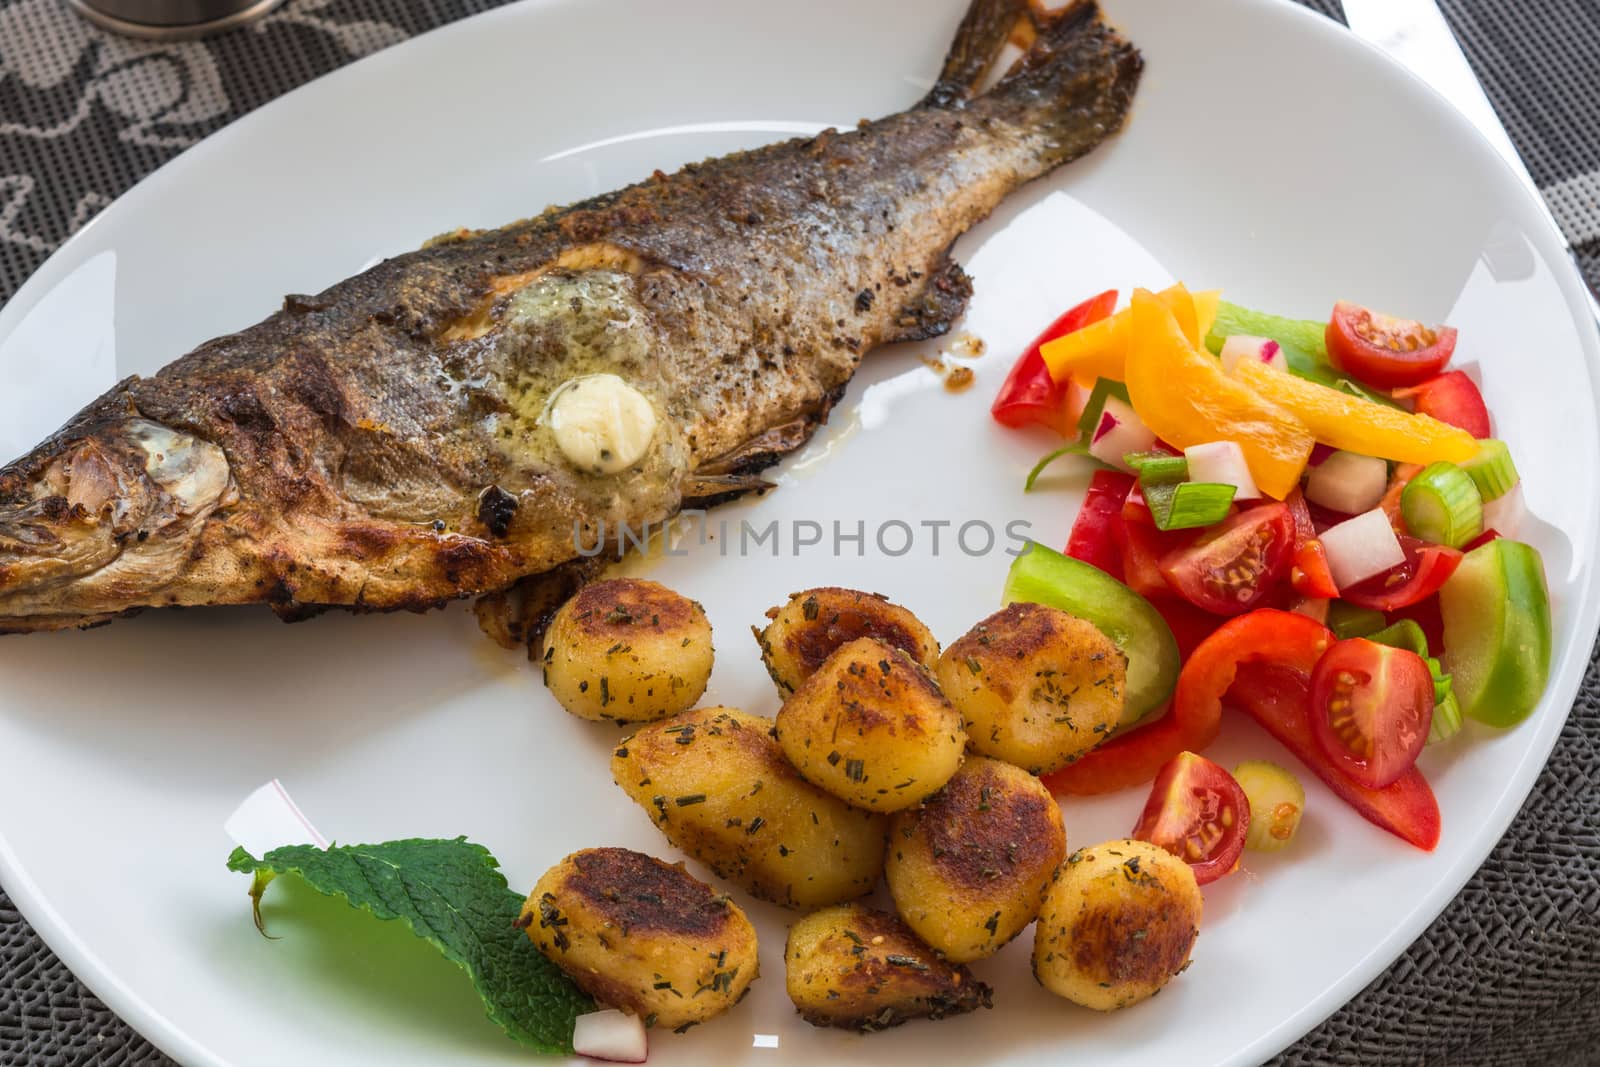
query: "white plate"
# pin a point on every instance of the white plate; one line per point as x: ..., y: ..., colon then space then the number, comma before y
x: 1269, y: 153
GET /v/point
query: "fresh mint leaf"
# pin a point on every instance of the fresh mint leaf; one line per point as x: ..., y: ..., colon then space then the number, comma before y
x: 452, y: 895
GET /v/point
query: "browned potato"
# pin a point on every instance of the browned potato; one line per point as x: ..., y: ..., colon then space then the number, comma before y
x: 642, y: 935
x: 871, y: 727
x: 808, y: 629
x: 968, y: 869
x: 1118, y: 921
x: 1036, y: 687
x: 719, y: 787
x: 627, y: 650
x: 859, y: 968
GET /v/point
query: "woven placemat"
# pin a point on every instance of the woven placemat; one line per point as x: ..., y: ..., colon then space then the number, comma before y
x: 1508, y: 974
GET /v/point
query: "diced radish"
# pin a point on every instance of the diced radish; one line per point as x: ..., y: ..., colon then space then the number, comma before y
x: 1120, y: 432
x: 1257, y: 349
x: 1348, y: 482
x: 1504, y: 514
x: 1222, y: 461
x: 1319, y: 452
x: 610, y: 1035
x: 1361, y: 547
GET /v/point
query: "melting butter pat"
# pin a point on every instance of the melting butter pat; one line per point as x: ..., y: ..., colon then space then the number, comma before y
x: 601, y: 423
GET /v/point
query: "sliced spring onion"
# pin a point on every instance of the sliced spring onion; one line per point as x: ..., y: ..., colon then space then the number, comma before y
x: 1442, y: 505
x: 1408, y: 635
x: 1092, y: 408
x: 1188, y: 505
x: 1347, y: 620
x: 1158, y: 469
x: 1446, y: 717
x: 1404, y: 634
x: 1076, y: 448
x: 1302, y: 340
x: 1491, y: 470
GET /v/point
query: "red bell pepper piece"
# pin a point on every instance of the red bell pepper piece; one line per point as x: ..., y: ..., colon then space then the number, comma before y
x: 1094, y: 532
x: 1451, y: 398
x: 1195, y: 717
x: 1279, y: 699
x: 1029, y: 394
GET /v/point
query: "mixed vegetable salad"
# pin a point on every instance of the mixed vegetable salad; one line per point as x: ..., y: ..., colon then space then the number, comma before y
x: 1306, y: 520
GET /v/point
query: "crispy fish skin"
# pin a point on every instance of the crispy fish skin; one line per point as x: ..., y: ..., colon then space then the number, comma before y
x: 379, y: 445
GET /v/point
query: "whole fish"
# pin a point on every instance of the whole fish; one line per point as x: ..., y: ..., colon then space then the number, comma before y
x: 389, y: 443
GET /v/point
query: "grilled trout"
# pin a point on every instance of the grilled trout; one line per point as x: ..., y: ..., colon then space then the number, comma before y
x: 395, y: 441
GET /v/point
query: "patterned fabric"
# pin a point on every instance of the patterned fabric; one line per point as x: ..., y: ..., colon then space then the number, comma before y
x: 1509, y: 974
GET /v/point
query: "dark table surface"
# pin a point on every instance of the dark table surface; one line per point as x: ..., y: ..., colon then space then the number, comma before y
x: 1508, y: 974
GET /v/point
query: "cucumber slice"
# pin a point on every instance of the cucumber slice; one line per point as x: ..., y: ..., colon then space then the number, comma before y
x: 1497, y: 641
x: 1042, y: 576
x: 1277, y: 800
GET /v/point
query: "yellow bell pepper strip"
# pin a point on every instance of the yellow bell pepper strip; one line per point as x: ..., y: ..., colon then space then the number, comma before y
x: 1101, y: 350
x: 1185, y: 398
x: 1355, y: 425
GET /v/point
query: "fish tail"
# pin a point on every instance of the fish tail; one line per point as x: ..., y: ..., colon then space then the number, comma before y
x: 983, y: 33
x: 1071, y: 90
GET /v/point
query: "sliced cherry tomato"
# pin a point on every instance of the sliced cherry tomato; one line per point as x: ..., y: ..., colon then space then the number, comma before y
x: 1384, y: 351
x: 1453, y: 398
x: 1195, y: 718
x: 1398, y: 480
x: 1312, y: 607
x: 1143, y: 547
x: 1309, y: 572
x: 1280, y: 700
x: 1371, y: 707
x: 1197, y: 812
x: 1233, y: 567
x: 1425, y: 569
x: 1094, y: 538
x: 1030, y: 394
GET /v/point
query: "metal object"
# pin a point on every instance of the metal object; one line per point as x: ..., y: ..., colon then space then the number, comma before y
x: 171, y: 20
x: 1414, y: 34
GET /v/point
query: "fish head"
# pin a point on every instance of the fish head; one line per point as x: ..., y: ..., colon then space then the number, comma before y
x: 113, y: 510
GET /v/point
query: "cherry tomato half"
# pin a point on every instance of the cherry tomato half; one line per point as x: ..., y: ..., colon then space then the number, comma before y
x: 1197, y: 812
x: 1371, y: 708
x: 1235, y: 566
x: 1453, y: 398
x: 1425, y: 569
x: 1309, y: 571
x: 1384, y: 351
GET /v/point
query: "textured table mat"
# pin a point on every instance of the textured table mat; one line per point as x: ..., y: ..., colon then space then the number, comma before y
x: 1509, y: 974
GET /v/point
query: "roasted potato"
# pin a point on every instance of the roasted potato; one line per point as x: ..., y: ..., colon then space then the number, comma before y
x: 627, y: 650
x: 871, y: 727
x: 859, y: 968
x: 642, y: 935
x: 968, y: 869
x: 1036, y: 687
x: 719, y: 787
x: 1118, y: 921
x: 808, y: 629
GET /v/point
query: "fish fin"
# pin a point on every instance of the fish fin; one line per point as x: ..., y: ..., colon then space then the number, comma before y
x: 1071, y: 89
x: 939, y: 303
x: 984, y: 31
x: 707, y: 491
